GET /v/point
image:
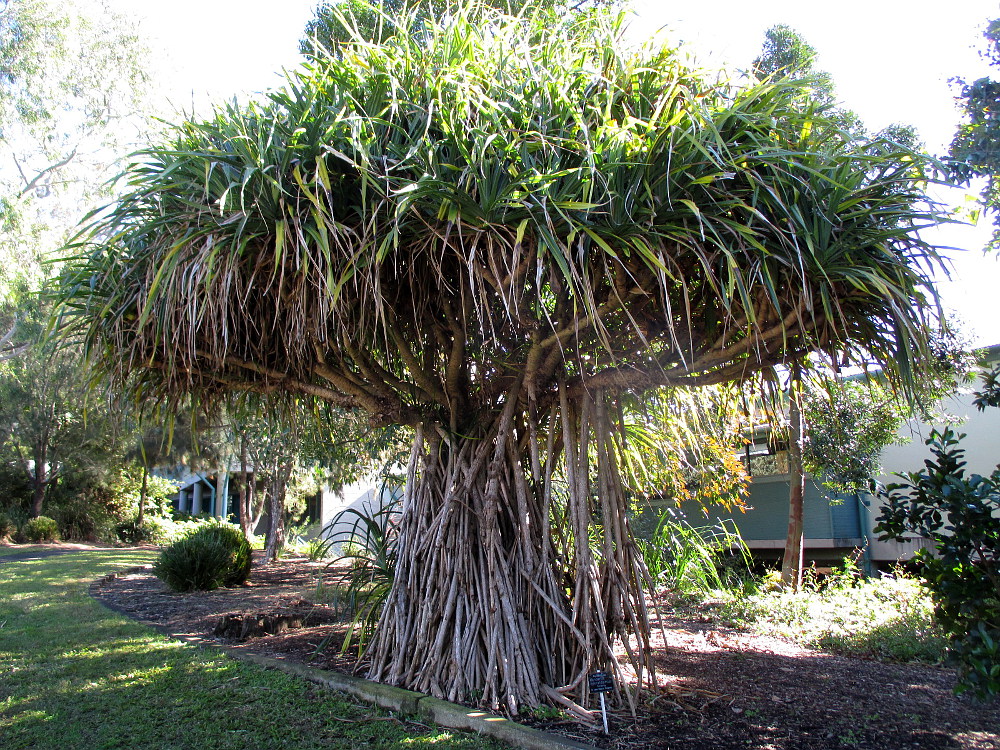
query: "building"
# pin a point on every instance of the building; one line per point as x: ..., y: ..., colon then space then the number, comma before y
x: 836, y: 526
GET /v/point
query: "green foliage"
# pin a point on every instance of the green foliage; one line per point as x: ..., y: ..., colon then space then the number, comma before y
x: 848, y: 423
x: 369, y: 546
x: 681, y: 444
x: 7, y: 527
x: 211, y: 556
x: 960, y: 515
x: 693, y: 560
x: 316, y: 549
x: 890, y: 617
x: 339, y: 22
x: 151, y: 531
x: 990, y: 393
x: 975, y: 149
x: 181, y: 525
x: 786, y: 54
x: 751, y: 173
x: 41, y: 529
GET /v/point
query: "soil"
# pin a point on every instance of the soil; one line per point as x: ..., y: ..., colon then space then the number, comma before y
x: 719, y: 688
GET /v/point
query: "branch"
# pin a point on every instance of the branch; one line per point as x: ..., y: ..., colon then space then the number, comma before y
x: 13, y: 351
x: 424, y: 379
x: 33, y: 182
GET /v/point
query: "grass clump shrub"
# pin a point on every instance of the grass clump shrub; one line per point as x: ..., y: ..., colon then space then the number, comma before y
x: 211, y: 556
x: 41, y: 529
x: 890, y: 617
x: 368, y: 543
x: 694, y: 560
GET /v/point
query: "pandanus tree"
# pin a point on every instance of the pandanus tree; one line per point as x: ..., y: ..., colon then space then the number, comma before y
x: 490, y: 233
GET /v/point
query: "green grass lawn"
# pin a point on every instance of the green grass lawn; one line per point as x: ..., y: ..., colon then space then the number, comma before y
x: 75, y: 675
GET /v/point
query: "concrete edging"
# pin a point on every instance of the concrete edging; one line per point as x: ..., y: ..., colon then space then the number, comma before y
x: 441, y: 712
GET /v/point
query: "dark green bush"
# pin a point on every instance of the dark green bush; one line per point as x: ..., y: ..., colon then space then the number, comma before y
x: 150, y: 531
x: 959, y: 514
x: 41, y: 529
x: 211, y: 556
x: 7, y: 526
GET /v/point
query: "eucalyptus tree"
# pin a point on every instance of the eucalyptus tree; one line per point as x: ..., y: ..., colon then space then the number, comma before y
x: 49, y: 430
x: 71, y: 77
x: 487, y: 235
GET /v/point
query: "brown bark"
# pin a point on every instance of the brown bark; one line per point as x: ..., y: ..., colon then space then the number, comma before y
x: 792, y: 562
x: 39, y: 479
x: 508, y: 613
x: 245, y: 520
x: 142, y: 495
x: 276, y: 511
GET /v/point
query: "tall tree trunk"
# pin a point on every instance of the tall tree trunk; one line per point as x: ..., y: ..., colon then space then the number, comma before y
x: 257, y: 502
x: 245, y: 520
x: 39, y: 480
x: 142, y: 494
x: 792, y: 562
x: 276, y: 511
x: 221, y: 489
x: 513, y: 585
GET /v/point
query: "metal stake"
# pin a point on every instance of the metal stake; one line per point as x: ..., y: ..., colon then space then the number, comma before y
x: 604, y: 713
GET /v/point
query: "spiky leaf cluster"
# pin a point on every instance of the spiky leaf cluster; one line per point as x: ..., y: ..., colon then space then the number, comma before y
x: 412, y: 227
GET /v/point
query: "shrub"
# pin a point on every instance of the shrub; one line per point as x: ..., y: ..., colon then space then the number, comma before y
x: 211, y: 556
x: 316, y: 549
x: 959, y: 514
x: 7, y: 526
x: 889, y: 618
x: 41, y: 529
x: 370, y: 546
x: 692, y: 560
x: 150, y: 531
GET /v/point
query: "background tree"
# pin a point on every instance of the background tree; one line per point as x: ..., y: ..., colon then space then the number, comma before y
x: 786, y: 55
x: 683, y: 445
x: 70, y: 79
x: 975, y: 149
x: 850, y: 422
x: 343, y: 21
x: 295, y: 448
x: 486, y: 235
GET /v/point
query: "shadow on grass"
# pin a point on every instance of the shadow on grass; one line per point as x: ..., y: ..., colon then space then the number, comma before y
x: 78, y: 675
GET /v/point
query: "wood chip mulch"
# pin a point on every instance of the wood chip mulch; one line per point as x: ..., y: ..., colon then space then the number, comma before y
x: 719, y: 689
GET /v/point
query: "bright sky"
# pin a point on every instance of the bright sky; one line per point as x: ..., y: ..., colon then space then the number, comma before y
x: 890, y: 61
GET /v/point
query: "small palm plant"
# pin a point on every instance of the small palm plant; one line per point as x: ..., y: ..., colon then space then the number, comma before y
x: 369, y: 544
x: 687, y: 559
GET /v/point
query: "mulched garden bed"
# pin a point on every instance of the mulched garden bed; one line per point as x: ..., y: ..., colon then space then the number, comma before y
x: 719, y: 689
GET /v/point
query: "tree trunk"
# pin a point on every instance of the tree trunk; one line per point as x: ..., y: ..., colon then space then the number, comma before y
x: 257, y: 502
x: 516, y: 574
x: 142, y: 495
x: 792, y: 562
x: 245, y: 521
x: 276, y: 511
x: 221, y: 489
x: 39, y: 479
